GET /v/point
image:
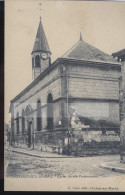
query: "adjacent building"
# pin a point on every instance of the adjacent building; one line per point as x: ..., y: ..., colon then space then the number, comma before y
x: 120, y: 55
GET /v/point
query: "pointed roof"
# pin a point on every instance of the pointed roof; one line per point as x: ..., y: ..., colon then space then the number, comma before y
x: 41, y: 43
x: 84, y: 51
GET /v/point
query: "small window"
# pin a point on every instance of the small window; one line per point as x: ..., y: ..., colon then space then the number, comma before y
x: 37, y: 61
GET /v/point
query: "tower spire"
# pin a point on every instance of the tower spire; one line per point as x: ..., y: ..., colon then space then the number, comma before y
x: 80, y: 36
x: 41, y: 43
x: 41, y: 54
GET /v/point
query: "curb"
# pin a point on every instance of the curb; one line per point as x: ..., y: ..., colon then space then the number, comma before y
x: 39, y: 156
x: 112, y: 168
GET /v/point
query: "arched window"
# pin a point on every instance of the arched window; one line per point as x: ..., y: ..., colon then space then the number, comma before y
x: 37, y: 61
x: 23, y: 122
x: 50, y: 112
x: 39, y: 121
x: 17, y: 123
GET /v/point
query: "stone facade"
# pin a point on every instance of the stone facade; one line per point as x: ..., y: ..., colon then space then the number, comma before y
x: 59, y: 80
x: 96, y: 89
x: 41, y: 114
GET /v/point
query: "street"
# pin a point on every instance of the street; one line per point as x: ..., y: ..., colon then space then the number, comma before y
x: 20, y: 165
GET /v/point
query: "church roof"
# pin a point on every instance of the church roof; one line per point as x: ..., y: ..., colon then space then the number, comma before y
x: 84, y: 51
x: 41, y: 43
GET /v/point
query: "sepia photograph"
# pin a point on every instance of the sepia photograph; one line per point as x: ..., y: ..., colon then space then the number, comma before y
x: 64, y: 127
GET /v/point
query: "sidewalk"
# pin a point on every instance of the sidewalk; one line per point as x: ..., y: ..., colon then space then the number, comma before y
x: 37, y: 153
x: 116, y: 166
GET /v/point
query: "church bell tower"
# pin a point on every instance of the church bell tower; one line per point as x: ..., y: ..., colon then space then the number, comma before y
x: 41, y: 54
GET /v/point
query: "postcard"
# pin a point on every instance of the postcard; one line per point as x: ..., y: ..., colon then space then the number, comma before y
x: 64, y: 96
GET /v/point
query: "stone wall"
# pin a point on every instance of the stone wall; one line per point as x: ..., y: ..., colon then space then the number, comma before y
x: 81, y: 143
x: 42, y: 140
x: 93, y: 82
x: 91, y: 142
x: 94, y: 91
x: 50, y: 84
x: 94, y: 88
x: 98, y: 110
x: 100, y: 71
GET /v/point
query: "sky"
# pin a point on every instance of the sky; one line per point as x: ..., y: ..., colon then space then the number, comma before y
x: 102, y: 25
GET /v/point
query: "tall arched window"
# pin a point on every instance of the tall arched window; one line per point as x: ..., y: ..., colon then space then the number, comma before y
x: 23, y: 122
x: 37, y: 61
x: 50, y: 112
x: 17, y: 123
x: 39, y: 121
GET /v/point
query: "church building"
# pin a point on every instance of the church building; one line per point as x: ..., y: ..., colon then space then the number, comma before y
x: 83, y: 83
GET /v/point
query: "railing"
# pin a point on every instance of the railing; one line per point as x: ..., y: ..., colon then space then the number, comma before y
x: 46, y: 136
x: 103, y: 129
x: 20, y: 139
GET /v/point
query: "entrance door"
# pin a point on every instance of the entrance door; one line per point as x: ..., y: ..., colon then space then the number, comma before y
x: 29, y: 134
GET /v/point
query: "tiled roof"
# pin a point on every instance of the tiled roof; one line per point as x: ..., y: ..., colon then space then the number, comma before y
x: 84, y: 51
x: 41, y: 43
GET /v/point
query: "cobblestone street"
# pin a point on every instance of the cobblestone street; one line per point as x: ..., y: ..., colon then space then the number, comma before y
x: 20, y: 165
